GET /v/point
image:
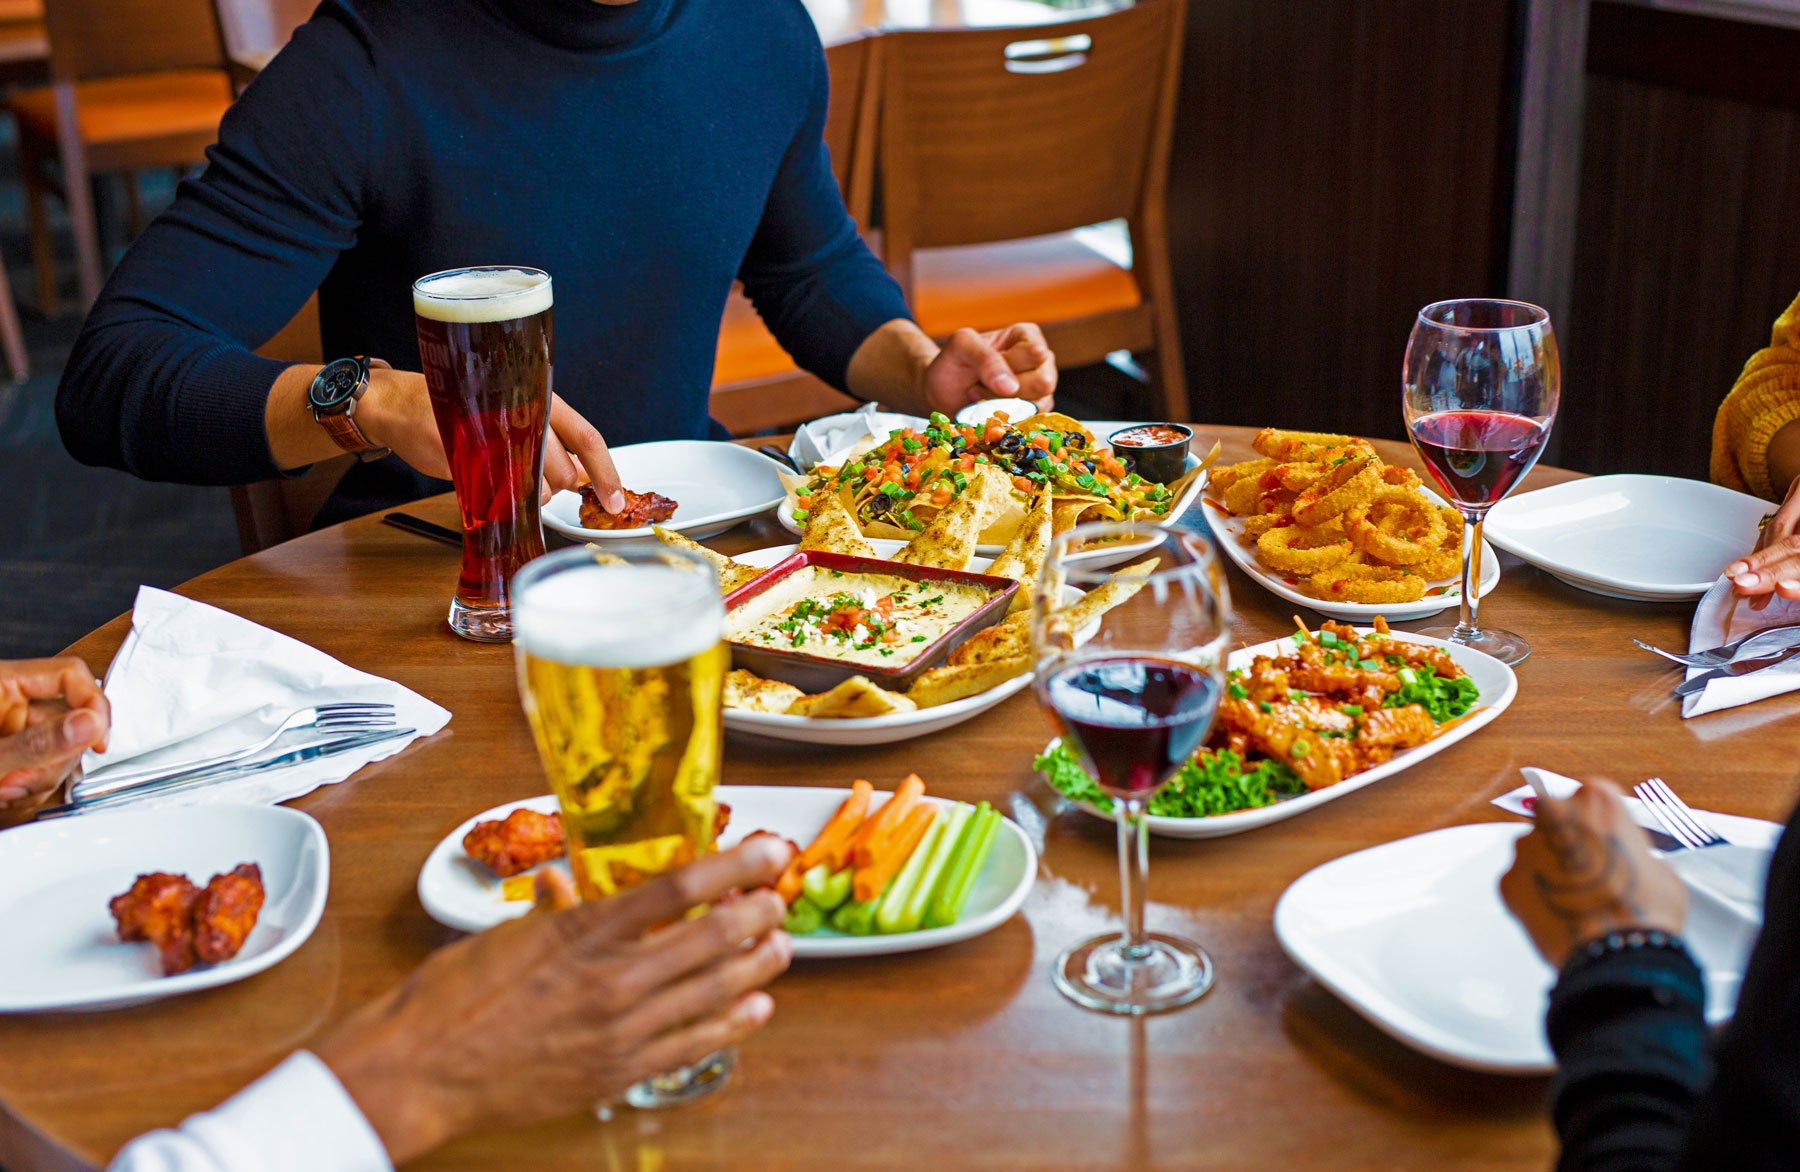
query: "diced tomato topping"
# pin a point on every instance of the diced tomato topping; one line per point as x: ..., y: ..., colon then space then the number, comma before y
x: 1023, y: 485
x: 967, y: 463
x: 870, y: 472
x: 1039, y: 440
x: 941, y: 497
x: 995, y: 433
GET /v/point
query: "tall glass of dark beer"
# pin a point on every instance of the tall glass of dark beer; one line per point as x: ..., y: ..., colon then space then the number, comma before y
x: 485, y: 345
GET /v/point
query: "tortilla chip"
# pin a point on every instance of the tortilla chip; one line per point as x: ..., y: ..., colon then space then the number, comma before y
x: 1023, y: 556
x: 752, y: 693
x: 1055, y: 421
x: 941, y: 685
x: 832, y: 529
x: 731, y: 574
x: 855, y: 697
x: 1000, y: 641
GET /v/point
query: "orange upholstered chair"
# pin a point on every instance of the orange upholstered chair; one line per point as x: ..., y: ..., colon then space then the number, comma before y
x: 134, y: 84
x: 996, y: 144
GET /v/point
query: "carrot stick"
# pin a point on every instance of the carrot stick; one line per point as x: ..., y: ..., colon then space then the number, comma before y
x: 832, y: 844
x: 868, y: 882
x: 788, y: 886
x: 867, y: 843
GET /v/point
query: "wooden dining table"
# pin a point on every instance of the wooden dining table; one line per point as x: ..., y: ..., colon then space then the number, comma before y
x: 961, y: 1058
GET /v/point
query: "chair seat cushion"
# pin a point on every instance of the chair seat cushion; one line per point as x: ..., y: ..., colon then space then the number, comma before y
x: 132, y: 108
x: 747, y: 350
x: 1043, y: 279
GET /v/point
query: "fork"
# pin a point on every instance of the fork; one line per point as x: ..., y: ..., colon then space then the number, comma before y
x: 327, y: 717
x: 1714, y: 656
x: 1682, y: 822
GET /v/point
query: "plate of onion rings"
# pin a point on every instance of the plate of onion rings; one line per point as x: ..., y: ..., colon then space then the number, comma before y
x: 1321, y: 521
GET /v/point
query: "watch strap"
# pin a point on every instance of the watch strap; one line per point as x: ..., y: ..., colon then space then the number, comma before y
x: 340, y: 422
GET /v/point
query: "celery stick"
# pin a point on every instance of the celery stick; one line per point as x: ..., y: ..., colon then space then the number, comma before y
x: 804, y: 918
x: 912, y: 913
x: 971, y: 855
x: 893, y: 900
x: 825, y: 889
x: 855, y: 918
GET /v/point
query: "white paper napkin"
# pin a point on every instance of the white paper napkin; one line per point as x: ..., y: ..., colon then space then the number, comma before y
x: 832, y: 434
x: 1721, y: 617
x: 193, y: 681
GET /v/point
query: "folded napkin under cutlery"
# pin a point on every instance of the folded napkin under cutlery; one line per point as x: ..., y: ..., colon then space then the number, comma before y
x: 1722, y: 617
x: 192, y: 681
x: 833, y: 433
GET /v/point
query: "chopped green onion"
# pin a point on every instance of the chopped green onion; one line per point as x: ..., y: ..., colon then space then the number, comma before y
x: 1237, y: 691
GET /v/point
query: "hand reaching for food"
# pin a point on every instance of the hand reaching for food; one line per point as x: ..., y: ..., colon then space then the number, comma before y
x: 635, y: 509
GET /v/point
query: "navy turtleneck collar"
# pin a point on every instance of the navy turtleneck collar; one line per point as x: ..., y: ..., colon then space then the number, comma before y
x: 585, y: 25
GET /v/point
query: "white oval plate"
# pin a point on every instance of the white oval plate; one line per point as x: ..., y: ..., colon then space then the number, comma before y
x: 462, y: 894
x: 873, y: 730
x: 1498, y: 686
x: 1229, y: 529
x: 58, y: 877
x: 1642, y: 538
x: 715, y: 485
x: 1093, y: 559
x: 1413, y: 936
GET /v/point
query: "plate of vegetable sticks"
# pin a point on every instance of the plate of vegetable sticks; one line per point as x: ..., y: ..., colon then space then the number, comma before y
x: 878, y: 873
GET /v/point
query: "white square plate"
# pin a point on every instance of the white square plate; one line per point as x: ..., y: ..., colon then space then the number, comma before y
x: 714, y: 484
x: 1412, y: 935
x: 1644, y: 538
x: 58, y: 877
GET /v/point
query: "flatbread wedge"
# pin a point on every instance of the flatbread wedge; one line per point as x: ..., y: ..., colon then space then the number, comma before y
x: 1005, y: 640
x: 1096, y: 602
x: 751, y: 693
x: 731, y: 574
x: 941, y: 685
x: 1023, y: 557
x: 949, y: 541
x: 855, y: 697
x: 830, y: 528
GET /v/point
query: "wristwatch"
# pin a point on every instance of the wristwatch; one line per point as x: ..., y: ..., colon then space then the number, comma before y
x: 336, y: 390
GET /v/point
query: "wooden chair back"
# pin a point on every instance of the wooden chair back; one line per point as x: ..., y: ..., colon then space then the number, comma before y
x: 1000, y: 134
x: 92, y: 39
x: 273, y: 511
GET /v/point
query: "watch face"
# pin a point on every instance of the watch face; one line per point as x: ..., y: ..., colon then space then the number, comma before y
x: 336, y: 383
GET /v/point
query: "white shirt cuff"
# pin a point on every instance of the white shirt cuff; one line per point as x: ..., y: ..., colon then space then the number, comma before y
x: 296, y: 1118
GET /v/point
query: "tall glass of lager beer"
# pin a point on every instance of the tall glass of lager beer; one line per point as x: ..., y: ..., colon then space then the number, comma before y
x: 485, y: 346
x: 622, y: 672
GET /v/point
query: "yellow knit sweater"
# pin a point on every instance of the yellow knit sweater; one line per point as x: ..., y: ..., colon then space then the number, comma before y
x: 1765, y: 399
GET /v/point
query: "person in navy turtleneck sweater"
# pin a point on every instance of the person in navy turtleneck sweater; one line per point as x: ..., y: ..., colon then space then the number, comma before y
x: 643, y: 152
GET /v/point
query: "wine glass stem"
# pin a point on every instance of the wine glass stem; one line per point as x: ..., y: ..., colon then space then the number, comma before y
x: 1469, y: 621
x: 1134, y: 870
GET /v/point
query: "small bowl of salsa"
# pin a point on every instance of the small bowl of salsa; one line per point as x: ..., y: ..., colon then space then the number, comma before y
x: 1156, y: 451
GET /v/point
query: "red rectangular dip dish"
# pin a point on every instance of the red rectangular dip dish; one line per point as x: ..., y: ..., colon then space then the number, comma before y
x: 820, y: 673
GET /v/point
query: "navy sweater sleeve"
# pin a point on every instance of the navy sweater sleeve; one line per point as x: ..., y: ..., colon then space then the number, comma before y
x: 162, y: 382
x: 816, y: 284
x: 1635, y: 1090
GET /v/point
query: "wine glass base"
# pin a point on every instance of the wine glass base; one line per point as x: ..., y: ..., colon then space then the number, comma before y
x: 683, y: 1085
x: 1097, y: 974
x: 490, y: 624
x: 1505, y: 646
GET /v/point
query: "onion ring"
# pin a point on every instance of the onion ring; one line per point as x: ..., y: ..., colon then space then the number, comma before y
x: 1403, y: 544
x: 1281, y: 444
x: 1443, y: 564
x: 1368, y: 584
x: 1263, y: 522
x: 1334, y: 493
x: 1223, y: 478
x: 1244, y: 497
x: 1297, y: 549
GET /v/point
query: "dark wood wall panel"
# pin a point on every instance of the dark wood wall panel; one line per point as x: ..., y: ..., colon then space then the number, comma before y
x: 1337, y: 164
x: 1688, y: 236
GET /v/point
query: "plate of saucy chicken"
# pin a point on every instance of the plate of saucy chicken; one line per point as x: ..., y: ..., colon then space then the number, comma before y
x: 1309, y: 719
x: 695, y: 487
x: 109, y: 910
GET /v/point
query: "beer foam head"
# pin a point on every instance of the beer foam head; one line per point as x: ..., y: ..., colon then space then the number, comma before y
x: 640, y: 614
x: 481, y: 295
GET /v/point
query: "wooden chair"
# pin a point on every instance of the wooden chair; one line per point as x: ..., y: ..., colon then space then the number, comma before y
x: 253, y: 31
x: 135, y: 84
x: 756, y: 386
x: 273, y: 511
x: 997, y: 143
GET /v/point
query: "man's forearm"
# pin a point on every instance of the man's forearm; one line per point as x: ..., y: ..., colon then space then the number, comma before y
x: 385, y: 415
x: 889, y: 367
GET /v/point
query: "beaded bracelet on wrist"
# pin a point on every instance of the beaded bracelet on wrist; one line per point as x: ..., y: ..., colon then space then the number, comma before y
x: 1629, y: 940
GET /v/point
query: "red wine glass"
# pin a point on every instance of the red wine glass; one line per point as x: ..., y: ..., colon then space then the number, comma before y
x: 1134, y: 699
x: 1482, y: 380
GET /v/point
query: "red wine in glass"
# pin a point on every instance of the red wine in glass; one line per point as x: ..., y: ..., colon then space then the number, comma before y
x: 1477, y: 456
x: 1135, y: 720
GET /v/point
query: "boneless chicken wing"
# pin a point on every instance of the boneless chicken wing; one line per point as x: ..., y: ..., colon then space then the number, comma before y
x: 158, y: 909
x: 517, y: 844
x: 225, y: 912
x: 641, y: 509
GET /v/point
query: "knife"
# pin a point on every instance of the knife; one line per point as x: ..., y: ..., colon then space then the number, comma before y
x: 423, y: 528
x: 1741, y: 667
x: 226, y: 772
x: 1766, y: 641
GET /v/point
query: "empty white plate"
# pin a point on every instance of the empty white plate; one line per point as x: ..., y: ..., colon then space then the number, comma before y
x: 714, y: 484
x: 462, y: 894
x: 57, y: 879
x: 1412, y: 935
x: 1643, y: 538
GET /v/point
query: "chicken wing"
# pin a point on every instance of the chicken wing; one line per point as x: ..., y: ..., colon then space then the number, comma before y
x: 641, y: 509
x: 225, y: 913
x: 525, y: 839
x: 158, y: 908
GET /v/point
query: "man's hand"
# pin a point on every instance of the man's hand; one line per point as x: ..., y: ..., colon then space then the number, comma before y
x: 1585, y: 870
x: 51, y: 712
x: 564, y: 1009
x: 1774, y: 569
x: 1011, y: 363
